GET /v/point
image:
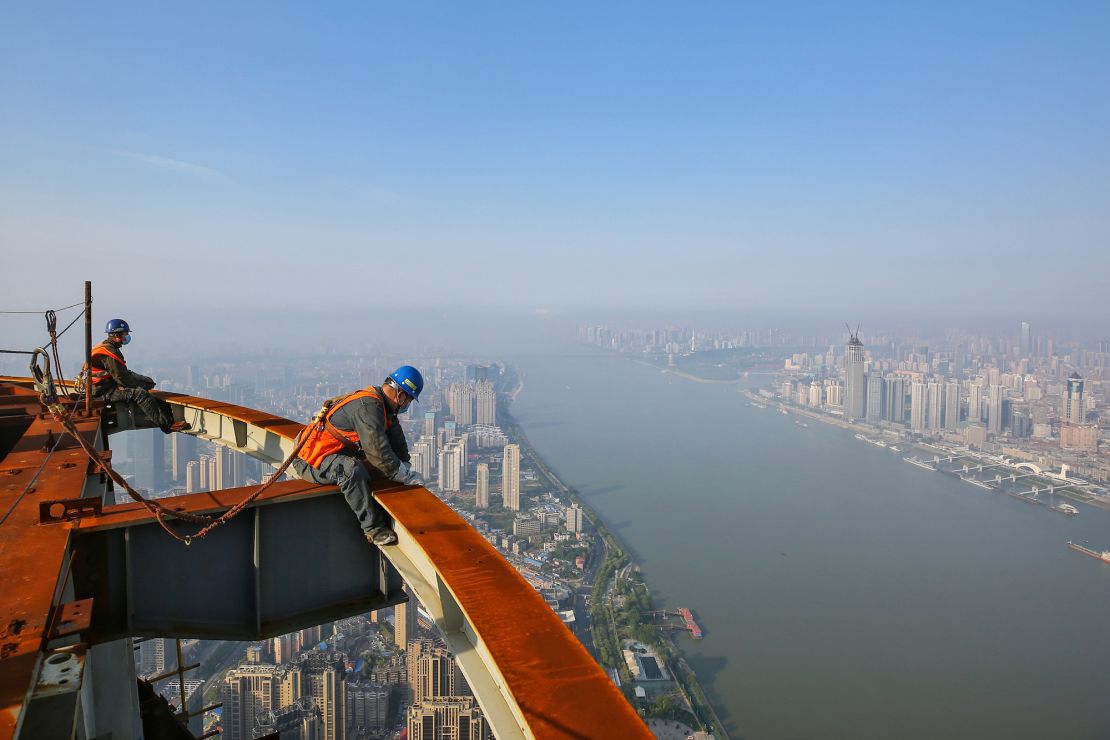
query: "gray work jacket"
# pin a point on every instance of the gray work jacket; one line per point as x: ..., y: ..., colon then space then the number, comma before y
x: 384, y: 450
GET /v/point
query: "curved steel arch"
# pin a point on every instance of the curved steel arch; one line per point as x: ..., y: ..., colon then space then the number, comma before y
x: 531, y: 676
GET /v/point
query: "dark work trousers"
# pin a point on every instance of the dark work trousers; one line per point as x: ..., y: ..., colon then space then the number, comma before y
x: 354, y: 483
x: 155, y: 409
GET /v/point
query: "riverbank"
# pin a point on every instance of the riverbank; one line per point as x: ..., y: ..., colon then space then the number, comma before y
x: 928, y: 449
x: 616, y: 558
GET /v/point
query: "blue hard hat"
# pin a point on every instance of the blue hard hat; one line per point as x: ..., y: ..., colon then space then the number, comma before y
x: 408, y: 379
x: 115, y: 326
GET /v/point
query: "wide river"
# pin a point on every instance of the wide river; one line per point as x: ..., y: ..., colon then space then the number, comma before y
x: 844, y: 592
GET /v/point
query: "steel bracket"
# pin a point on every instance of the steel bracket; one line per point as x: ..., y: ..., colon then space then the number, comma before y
x: 100, y: 465
x: 68, y: 509
x: 70, y: 618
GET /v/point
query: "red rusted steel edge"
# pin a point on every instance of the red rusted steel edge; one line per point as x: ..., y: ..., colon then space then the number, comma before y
x: 208, y: 502
x: 32, y: 555
x: 561, y: 690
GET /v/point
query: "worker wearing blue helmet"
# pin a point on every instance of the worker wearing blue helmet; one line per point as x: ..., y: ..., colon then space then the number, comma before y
x: 358, y: 435
x: 112, y: 380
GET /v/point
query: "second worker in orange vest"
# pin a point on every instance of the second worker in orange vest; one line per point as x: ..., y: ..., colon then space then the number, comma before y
x: 360, y: 430
x: 114, y: 382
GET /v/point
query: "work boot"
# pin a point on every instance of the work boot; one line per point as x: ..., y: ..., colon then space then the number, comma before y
x: 177, y: 426
x: 382, y: 536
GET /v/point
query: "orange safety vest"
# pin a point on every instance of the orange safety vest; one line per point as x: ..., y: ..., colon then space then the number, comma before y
x: 325, y: 438
x: 98, y: 374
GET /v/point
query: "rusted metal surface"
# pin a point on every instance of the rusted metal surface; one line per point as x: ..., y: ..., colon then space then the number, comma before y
x: 31, y: 556
x: 70, y: 618
x: 557, y: 685
x: 68, y: 510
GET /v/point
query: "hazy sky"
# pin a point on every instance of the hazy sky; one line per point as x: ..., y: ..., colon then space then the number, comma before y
x: 691, y: 155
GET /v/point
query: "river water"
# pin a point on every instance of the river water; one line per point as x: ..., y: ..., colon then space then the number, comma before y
x: 844, y: 592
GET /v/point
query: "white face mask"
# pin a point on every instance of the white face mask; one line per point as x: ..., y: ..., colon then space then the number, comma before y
x: 126, y: 339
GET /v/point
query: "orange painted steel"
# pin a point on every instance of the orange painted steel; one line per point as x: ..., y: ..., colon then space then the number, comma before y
x: 32, y: 556
x: 561, y: 691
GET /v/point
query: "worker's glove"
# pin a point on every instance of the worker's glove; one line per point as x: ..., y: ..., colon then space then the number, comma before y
x: 147, y: 383
x: 406, y: 475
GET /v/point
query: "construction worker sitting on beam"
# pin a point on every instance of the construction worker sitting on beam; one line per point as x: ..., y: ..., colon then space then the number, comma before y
x: 113, y: 382
x: 359, y: 431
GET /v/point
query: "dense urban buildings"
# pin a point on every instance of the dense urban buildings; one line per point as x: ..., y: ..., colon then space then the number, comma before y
x: 1025, y: 395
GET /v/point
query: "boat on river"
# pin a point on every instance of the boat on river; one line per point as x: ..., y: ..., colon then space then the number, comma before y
x: 1104, y: 556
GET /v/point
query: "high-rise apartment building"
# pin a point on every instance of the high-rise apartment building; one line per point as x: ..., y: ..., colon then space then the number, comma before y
x: 1075, y: 410
x: 481, y: 491
x: 951, y: 405
x: 204, y: 468
x: 404, y: 621
x: 251, y: 691
x: 183, y: 448
x: 855, y: 390
x: 1026, y: 341
x: 323, y: 675
x: 152, y: 657
x: 286, y: 647
x: 312, y: 636
x: 576, y: 519
x: 451, y: 466
x: 874, y: 413
x: 301, y: 720
x: 192, y: 475
x: 486, y: 403
x: 367, y: 705
x: 422, y: 458
x: 430, y: 424
x: 936, y: 405
x: 994, y: 409
x: 510, y: 478
x: 150, y: 460
x: 223, y: 477
x: 974, y: 403
x: 433, y: 673
x: 894, y: 407
x: 919, y: 402
x: 460, y: 399
x: 457, y: 718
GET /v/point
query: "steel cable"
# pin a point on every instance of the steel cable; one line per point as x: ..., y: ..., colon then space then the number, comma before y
x: 56, y: 310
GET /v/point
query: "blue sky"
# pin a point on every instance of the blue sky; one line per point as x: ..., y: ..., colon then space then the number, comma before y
x: 692, y: 155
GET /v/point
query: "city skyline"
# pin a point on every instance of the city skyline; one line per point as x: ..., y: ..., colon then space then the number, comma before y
x: 730, y: 320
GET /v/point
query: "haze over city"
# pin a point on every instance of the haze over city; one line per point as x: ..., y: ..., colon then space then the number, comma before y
x: 757, y: 364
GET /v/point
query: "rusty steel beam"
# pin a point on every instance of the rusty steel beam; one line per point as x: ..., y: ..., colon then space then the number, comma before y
x: 294, y: 558
x: 39, y: 463
x: 530, y: 674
